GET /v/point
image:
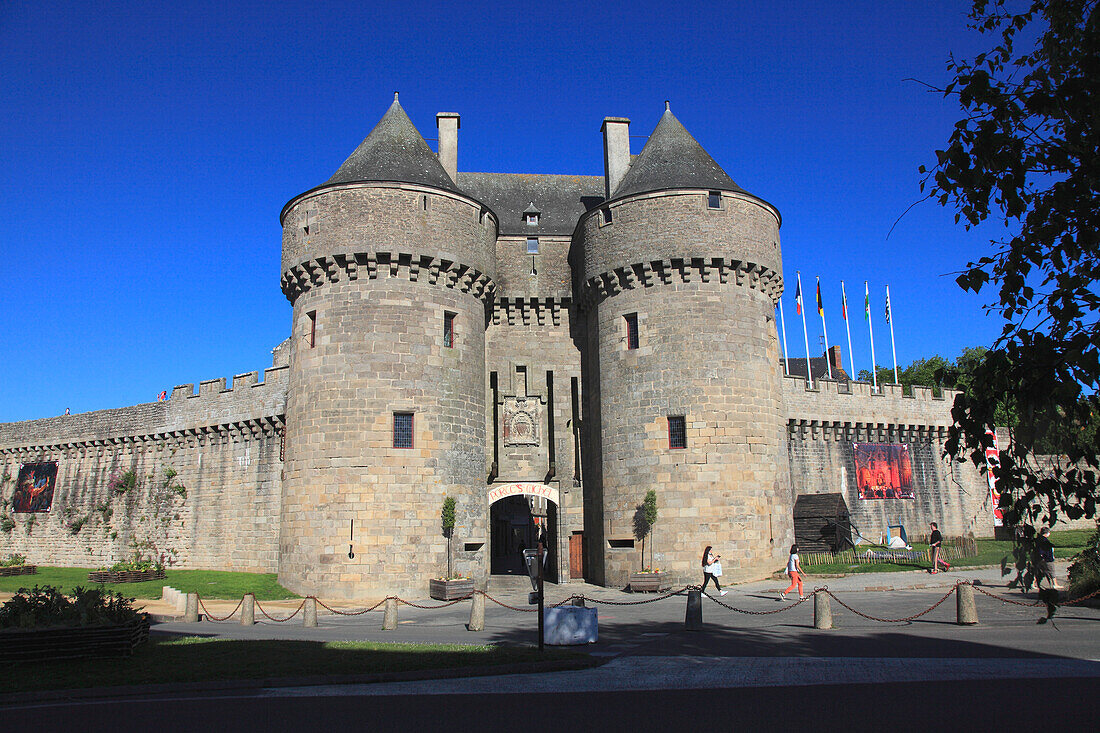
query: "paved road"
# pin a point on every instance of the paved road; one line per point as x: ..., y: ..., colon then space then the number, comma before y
x: 899, y: 707
x: 759, y: 669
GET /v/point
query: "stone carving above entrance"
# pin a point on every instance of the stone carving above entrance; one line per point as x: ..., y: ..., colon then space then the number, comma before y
x: 522, y: 420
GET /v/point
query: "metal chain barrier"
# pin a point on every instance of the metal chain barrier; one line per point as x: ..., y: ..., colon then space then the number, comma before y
x: 670, y: 594
x: 324, y: 605
x: 1075, y: 601
x: 280, y: 620
x: 212, y: 617
x: 1002, y: 599
x: 441, y: 605
x: 759, y: 613
x: 505, y: 605
x: 934, y: 606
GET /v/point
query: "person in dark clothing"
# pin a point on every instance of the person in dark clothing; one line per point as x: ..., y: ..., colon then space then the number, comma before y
x: 1044, y: 552
x: 934, y: 542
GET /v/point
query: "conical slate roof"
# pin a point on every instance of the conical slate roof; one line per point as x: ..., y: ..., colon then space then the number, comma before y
x: 672, y: 158
x: 394, y: 151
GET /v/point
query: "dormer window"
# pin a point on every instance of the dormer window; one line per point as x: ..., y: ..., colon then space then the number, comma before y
x: 531, y: 215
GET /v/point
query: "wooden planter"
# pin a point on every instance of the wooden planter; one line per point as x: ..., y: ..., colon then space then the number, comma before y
x: 119, y: 640
x: 124, y: 576
x: 649, y: 582
x: 18, y: 570
x: 449, y: 590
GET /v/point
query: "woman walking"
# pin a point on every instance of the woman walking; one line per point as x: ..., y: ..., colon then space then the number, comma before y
x: 934, y: 541
x: 794, y: 570
x: 712, y: 569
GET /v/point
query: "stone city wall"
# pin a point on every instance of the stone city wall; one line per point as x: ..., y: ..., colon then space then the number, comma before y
x: 824, y: 423
x: 206, y: 488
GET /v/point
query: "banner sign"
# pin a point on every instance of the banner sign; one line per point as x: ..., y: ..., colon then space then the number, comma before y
x: 34, y: 487
x: 499, y: 492
x: 884, y: 471
x: 993, y: 460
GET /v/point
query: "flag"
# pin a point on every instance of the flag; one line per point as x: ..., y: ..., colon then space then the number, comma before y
x: 820, y: 306
x: 887, y: 305
x: 798, y: 299
x: 844, y: 306
x: 866, y: 303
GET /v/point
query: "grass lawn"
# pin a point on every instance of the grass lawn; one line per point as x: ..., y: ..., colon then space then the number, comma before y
x: 1067, y: 543
x: 191, y: 659
x: 207, y: 583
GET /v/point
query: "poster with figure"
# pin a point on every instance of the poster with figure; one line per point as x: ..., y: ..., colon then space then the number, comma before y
x: 884, y: 471
x: 34, y: 487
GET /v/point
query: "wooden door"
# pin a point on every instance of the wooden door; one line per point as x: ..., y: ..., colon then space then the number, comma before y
x: 576, y: 555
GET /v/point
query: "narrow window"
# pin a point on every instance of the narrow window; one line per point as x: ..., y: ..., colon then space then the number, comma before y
x: 311, y: 329
x: 532, y: 245
x: 714, y: 200
x: 677, y: 432
x: 606, y: 213
x: 402, y: 430
x: 631, y: 330
x: 449, y: 329
x: 424, y: 202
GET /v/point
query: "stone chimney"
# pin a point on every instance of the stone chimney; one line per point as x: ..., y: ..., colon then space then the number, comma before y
x: 616, y: 151
x: 448, y: 123
x: 836, y: 360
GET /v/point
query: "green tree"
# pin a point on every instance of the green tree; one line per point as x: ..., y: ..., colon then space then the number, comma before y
x: 447, y: 519
x: 1027, y: 154
x: 644, y: 519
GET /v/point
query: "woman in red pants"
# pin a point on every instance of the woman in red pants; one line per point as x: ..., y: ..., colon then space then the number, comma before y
x: 794, y: 570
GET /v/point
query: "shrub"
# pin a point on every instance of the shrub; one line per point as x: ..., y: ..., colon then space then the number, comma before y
x: 14, y: 560
x: 7, y: 524
x: 120, y: 483
x: 1084, y: 573
x: 46, y: 606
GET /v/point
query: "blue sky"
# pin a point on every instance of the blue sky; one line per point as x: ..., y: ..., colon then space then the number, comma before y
x: 147, y: 152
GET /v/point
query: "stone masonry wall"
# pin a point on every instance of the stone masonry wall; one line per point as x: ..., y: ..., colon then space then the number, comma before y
x: 540, y: 340
x: 218, y: 511
x: 373, y: 281
x: 825, y: 422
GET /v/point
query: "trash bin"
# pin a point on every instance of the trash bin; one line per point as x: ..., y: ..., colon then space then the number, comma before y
x: 567, y: 625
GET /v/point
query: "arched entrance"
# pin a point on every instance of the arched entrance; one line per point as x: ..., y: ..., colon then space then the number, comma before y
x: 519, y: 514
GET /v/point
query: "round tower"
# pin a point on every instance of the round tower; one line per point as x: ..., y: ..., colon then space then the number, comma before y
x: 682, y: 272
x: 388, y: 267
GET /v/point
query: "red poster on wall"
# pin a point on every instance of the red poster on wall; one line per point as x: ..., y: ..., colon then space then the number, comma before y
x: 883, y: 471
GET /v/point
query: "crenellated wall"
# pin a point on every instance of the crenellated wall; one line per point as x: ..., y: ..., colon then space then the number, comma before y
x: 825, y: 422
x: 207, y: 468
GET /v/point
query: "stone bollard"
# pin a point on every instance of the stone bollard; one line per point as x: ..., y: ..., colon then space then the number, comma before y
x: 693, y: 618
x: 191, y: 611
x: 823, y: 611
x: 579, y: 602
x: 248, y: 610
x: 309, y: 612
x: 477, y: 613
x: 967, y: 613
x: 389, y: 618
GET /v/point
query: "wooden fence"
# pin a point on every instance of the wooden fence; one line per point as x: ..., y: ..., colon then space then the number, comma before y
x: 953, y: 549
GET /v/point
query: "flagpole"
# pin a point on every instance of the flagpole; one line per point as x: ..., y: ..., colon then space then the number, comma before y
x: 890, y: 320
x: 805, y: 334
x: 870, y: 330
x: 786, y: 355
x: 848, y: 330
x: 824, y: 330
